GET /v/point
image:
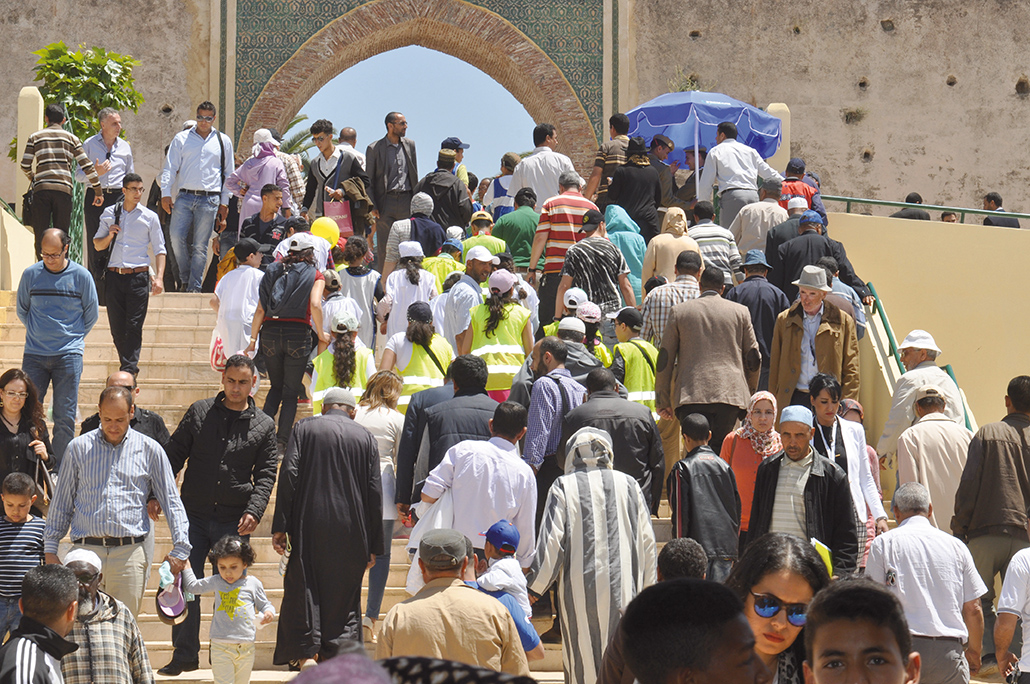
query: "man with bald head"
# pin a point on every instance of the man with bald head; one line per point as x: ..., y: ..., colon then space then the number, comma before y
x: 349, y: 144
x: 143, y: 421
x: 107, y: 515
x: 57, y: 303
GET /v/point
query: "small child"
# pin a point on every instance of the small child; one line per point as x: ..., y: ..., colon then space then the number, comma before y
x: 21, y: 545
x: 504, y: 572
x: 239, y: 598
x: 704, y: 499
x: 856, y: 631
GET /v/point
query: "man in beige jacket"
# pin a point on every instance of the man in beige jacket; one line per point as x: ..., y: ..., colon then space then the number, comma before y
x: 933, y: 453
x: 710, y: 355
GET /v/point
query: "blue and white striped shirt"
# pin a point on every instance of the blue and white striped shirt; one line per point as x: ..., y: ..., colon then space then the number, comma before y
x: 102, y: 491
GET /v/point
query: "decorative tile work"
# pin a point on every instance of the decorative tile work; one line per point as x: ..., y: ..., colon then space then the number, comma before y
x: 269, y: 32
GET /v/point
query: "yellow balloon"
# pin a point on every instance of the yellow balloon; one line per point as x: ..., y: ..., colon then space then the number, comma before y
x: 325, y: 227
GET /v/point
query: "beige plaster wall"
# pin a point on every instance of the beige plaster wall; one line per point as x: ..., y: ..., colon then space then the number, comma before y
x: 170, y: 37
x: 923, y: 272
x: 952, y: 144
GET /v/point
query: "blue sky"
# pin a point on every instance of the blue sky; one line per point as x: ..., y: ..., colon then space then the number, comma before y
x: 440, y: 96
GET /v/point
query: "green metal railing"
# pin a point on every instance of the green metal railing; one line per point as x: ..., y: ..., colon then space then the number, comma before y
x: 896, y: 353
x: 961, y: 211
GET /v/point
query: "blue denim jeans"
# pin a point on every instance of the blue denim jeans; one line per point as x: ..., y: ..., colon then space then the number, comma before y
x: 196, y: 212
x: 10, y: 614
x: 203, y: 535
x: 379, y: 574
x: 64, y: 371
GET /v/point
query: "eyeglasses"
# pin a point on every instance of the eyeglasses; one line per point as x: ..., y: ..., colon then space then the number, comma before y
x: 85, y: 579
x: 131, y: 188
x: 51, y: 256
x: 205, y: 118
x: 320, y: 138
x: 767, y: 605
x: 15, y: 395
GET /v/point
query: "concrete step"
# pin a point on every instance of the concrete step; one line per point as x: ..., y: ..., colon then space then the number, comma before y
x: 205, y: 676
x: 159, y: 351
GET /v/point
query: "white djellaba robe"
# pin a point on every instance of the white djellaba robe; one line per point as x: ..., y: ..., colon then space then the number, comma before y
x: 596, y: 540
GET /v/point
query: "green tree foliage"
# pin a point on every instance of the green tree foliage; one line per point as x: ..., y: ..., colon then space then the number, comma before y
x: 84, y: 81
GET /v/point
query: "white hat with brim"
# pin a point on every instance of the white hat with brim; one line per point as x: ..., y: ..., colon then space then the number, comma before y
x: 814, y: 278
x: 919, y: 339
x: 411, y: 248
x: 479, y: 253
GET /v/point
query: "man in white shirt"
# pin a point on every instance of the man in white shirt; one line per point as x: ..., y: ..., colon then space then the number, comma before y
x: 1014, y: 605
x: 490, y: 482
x: 733, y: 166
x: 754, y: 220
x: 919, y: 354
x: 348, y: 144
x: 933, y: 575
x: 542, y: 168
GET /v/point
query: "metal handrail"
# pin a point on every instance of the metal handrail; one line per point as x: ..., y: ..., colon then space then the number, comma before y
x: 965, y: 413
x: 961, y: 211
x: 887, y: 326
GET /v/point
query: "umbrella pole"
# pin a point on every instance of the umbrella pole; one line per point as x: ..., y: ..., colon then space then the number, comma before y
x: 697, y: 158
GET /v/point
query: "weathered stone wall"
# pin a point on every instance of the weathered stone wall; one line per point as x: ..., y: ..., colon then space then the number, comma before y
x: 929, y: 85
x: 170, y: 37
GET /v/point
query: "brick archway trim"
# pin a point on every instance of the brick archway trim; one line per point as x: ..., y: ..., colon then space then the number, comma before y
x: 472, y: 34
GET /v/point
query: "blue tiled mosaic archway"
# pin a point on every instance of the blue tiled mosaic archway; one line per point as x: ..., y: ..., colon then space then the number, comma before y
x: 549, y: 55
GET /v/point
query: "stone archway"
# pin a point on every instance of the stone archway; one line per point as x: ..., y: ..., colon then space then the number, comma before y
x: 472, y: 34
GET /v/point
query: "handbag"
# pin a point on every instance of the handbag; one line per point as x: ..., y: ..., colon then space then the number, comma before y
x: 103, y: 256
x: 43, y: 478
x: 339, y: 211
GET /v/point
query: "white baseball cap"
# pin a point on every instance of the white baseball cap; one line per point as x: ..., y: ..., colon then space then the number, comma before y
x: 479, y: 253
x: 574, y: 296
x: 797, y: 203
x: 919, y: 339
x: 411, y: 248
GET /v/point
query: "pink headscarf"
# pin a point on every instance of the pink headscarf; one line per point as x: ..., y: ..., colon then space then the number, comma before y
x: 764, y: 443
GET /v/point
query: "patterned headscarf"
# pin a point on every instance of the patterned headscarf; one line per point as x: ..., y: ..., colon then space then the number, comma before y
x: 850, y: 405
x: 764, y: 443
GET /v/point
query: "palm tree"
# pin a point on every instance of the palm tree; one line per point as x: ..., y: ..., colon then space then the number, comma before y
x: 298, y: 142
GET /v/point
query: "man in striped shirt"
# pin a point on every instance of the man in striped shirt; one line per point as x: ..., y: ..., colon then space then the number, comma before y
x: 102, y: 497
x: 558, y: 229
x: 715, y: 242
x: 52, y: 151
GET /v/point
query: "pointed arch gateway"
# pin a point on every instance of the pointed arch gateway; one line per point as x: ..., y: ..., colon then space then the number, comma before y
x: 472, y: 34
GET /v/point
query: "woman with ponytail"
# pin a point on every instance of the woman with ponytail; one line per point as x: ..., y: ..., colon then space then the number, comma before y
x: 410, y: 283
x: 347, y: 362
x: 419, y: 354
x: 501, y: 334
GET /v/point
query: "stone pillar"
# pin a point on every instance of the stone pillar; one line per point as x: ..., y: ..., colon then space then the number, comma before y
x: 779, y: 160
x: 30, y: 120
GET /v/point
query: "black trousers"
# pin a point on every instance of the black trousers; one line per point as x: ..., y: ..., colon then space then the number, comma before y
x: 50, y: 209
x: 91, y: 218
x: 548, y: 473
x: 722, y: 418
x: 396, y: 207
x: 127, y: 299
x: 547, y: 292
x: 286, y: 347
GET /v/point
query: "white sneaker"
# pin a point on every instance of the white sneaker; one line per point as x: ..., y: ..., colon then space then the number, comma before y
x: 368, y: 629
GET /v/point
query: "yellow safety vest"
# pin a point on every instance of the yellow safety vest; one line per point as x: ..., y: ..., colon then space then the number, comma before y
x: 441, y: 267
x: 422, y: 372
x: 502, y: 349
x: 640, y: 375
x: 325, y: 379
x: 494, y: 244
x: 603, y: 354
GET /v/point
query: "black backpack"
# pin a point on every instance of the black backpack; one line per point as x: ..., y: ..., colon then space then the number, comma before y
x: 291, y: 291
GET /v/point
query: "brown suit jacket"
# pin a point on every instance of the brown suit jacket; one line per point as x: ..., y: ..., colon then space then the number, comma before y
x: 836, y: 351
x: 709, y: 354
x: 375, y: 166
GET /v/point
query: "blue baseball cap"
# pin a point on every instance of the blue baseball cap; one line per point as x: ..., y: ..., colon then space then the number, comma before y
x: 503, y: 535
x: 811, y: 217
x: 453, y: 143
x: 755, y: 256
x: 796, y: 414
x: 456, y: 244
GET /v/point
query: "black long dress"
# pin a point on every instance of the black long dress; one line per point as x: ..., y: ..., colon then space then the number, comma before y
x: 329, y: 501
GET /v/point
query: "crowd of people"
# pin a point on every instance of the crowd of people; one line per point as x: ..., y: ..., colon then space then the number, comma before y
x: 519, y: 370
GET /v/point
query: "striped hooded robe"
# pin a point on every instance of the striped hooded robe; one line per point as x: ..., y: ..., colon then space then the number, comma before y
x: 596, y: 540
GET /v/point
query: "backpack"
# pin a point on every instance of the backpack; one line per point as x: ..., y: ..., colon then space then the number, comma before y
x: 291, y: 291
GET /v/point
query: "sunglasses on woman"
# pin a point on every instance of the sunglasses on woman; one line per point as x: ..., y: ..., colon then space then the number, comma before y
x: 767, y: 605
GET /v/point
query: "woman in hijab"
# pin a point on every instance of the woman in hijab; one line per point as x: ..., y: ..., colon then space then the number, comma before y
x: 660, y: 258
x: 263, y: 168
x: 752, y: 442
x: 624, y: 233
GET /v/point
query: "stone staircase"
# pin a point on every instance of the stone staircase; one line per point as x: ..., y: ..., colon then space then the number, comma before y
x: 174, y: 372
